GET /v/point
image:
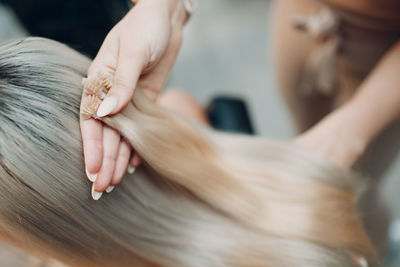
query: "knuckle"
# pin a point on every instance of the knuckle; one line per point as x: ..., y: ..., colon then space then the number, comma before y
x: 136, y: 52
x: 117, y: 179
x: 152, y: 88
x: 110, y: 157
x: 121, y: 83
x: 93, y: 140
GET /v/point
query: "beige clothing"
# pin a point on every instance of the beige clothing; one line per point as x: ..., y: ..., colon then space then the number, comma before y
x: 323, y: 51
x: 350, y: 46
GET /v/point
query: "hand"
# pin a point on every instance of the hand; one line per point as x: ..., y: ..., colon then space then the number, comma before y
x: 139, y: 51
x: 344, y: 134
x: 338, y: 138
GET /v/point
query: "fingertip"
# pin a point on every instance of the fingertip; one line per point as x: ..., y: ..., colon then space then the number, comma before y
x: 93, y: 162
x: 110, y: 189
x: 105, y: 176
x: 117, y: 180
x: 91, y: 176
x: 101, y: 184
x: 119, y: 172
x: 135, y: 160
x: 93, y: 158
x: 108, y: 106
x: 122, y: 162
x: 122, y: 97
x: 96, y: 195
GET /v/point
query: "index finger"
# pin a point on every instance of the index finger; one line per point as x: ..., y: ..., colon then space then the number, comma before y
x: 107, y: 57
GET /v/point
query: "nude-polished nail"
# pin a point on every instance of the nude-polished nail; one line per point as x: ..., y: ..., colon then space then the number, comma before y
x: 92, y: 177
x: 131, y: 169
x: 110, y: 189
x: 96, y: 195
x: 107, y: 106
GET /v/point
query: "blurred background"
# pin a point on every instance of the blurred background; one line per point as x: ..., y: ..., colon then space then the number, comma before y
x: 225, y: 52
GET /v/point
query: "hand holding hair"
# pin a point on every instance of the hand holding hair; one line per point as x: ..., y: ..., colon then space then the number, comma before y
x: 139, y: 51
x: 202, y: 198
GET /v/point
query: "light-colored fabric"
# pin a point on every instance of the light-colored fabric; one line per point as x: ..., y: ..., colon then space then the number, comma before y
x: 348, y: 47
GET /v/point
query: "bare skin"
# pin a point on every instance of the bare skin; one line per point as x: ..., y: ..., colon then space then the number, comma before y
x: 107, y: 155
x: 381, y: 104
x: 383, y: 9
x: 372, y: 104
x: 140, y: 52
x: 361, y: 130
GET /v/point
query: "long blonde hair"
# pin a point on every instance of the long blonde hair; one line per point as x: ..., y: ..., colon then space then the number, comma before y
x: 201, y: 198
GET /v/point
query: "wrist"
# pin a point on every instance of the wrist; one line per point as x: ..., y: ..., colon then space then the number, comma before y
x: 352, y: 126
x: 179, y: 10
x: 339, y: 137
x: 361, y: 121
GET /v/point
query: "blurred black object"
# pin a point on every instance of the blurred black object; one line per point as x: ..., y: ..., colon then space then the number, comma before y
x: 82, y: 24
x: 230, y: 114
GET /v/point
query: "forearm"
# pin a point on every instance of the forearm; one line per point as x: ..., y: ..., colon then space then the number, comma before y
x: 344, y: 134
x: 377, y: 101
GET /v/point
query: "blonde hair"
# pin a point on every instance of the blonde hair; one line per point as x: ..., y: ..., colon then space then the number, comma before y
x: 201, y: 198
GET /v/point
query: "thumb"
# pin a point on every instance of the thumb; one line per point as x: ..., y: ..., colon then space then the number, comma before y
x: 129, y: 68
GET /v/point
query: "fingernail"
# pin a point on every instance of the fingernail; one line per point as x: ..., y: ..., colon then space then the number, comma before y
x: 96, y: 195
x: 108, y: 105
x: 131, y: 169
x: 92, y: 177
x: 359, y: 260
x: 110, y: 189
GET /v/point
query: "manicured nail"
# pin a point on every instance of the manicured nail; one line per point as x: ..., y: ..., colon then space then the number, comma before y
x: 110, y: 189
x: 96, y: 195
x: 131, y: 169
x: 92, y: 177
x: 108, y: 105
x: 359, y: 260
